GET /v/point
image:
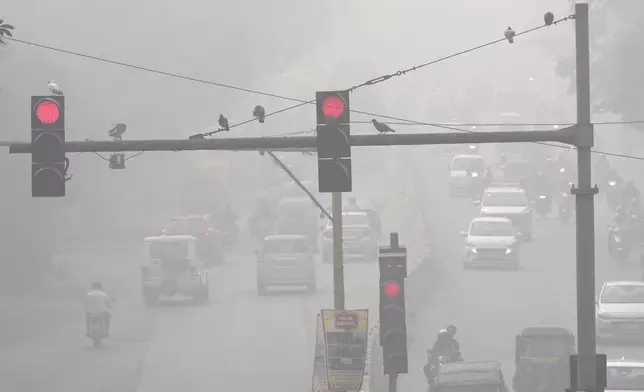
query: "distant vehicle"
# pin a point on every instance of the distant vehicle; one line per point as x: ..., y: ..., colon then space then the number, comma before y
x: 209, y: 246
x: 171, y: 268
x: 286, y: 260
x: 466, y: 173
x: 360, y: 237
x: 620, y: 311
x: 299, y: 216
x: 508, y: 201
x: 491, y: 242
x: 470, y: 376
x: 624, y: 375
x: 542, y: 359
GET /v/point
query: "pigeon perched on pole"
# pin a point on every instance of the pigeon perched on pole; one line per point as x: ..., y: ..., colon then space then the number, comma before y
x: 118, y: 131
x: 223, y: 122
x: 509, y: 34
x: 382, y: 127
x: 54, y: 89
x: 548, y: 18
x: 260, y: 113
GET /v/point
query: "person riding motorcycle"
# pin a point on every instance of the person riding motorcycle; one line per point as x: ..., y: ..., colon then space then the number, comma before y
x: 352, y: 205
x: 631, y: 195
x: 446, y: 345
x: 98, y: 303
x: 602, y: 167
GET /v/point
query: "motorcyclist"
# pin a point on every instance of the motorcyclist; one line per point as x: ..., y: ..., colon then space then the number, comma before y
x: 602, y: 167
x: 542, y: 184
x: 502, y: 160
x: 98, y: 303
x: 228, y: 218
x: 352, y: 205
x: 631, y: 195
x: 446, y: 345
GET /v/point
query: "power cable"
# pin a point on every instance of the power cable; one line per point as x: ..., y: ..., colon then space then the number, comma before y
x: 505, y: 124
x: 383, y: 78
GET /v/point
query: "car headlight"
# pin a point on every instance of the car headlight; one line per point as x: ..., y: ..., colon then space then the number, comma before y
x: 562, y: 170
x: 472, y: 147
x: 542, y: 197
x: 508, y: 251
x: 473, y: 250
x: 612, y: 183
x: 617, y: 239
x: 475, y: 174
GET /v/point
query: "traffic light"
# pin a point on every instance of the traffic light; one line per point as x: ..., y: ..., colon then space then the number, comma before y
x: 333, y: 141
x: 393, y: 325
x: 48, y: 163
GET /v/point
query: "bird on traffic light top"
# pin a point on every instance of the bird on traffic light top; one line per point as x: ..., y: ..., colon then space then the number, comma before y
x: 54, y: 89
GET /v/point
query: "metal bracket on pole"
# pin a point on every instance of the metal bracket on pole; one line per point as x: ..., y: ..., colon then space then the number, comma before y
x: 590, y: 191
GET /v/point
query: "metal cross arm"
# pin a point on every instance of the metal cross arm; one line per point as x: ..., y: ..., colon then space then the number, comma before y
x: 309, y: 142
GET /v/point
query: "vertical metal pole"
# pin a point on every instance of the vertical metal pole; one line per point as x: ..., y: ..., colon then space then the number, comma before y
x: 393, y: 384
x: 338, y: 266
x: 585, y: 210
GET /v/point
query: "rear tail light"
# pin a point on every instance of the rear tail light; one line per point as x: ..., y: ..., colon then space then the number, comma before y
x: 164, y: 232
x: 206, y: 234
x: 145, y: 272
x: 193, y: 271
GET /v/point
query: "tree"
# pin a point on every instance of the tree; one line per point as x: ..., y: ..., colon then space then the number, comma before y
x: 5, y: 30
x: 617, y: 34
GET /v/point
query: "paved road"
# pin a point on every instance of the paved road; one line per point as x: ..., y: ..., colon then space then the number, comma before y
x: 237, y: 342
x: 490, y: 307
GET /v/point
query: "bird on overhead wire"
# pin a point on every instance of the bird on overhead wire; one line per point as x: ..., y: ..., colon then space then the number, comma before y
x: 223, y: 122
x: 260, y: 113
x: 509, y: 34
x: 548, y: 18
x: 382, y: 127
x: 54, y: 89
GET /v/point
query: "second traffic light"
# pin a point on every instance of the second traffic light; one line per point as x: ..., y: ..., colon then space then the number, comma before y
x: 393, y: 325
x: 333, y: 141
x: 48, y: 163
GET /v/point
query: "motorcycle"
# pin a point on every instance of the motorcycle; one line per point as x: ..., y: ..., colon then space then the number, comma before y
x: 613, y: 195
x: 619, y: 246
x: 543, y: 205
x: 229, y: 237
x: 433, y: 365
x: 97, y: 330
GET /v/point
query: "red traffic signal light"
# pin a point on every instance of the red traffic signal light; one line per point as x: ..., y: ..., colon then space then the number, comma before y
x: 47, y: 111
x: 333, y: 106
x: 391, y: 289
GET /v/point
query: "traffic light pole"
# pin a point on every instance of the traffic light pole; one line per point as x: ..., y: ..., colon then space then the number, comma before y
x: 393, y: 382
x: 338, y: 263
x: 586, y: 333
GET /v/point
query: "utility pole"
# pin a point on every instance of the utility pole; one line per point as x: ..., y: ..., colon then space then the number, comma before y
x: 586, y: 338
x: 338, y: 264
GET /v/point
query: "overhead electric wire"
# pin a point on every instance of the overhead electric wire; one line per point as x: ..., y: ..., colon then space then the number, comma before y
x: 503, y: 124
x: 257, y: 92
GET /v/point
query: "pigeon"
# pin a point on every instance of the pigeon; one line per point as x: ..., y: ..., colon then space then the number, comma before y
x: 509, y: 34
x: 118, y: 131
x: 260, y: 113
x: 382, y: 127
x: 548, y: 18
x: 54, y: 89
x: 223, y: 123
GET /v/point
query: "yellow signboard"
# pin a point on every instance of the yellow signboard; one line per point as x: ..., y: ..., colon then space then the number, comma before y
x: 345, y: 343
x: 320, y: 383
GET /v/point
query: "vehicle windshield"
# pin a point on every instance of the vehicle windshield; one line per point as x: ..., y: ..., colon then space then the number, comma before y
x: 470, y: 388
x: 286, y: 246
x: 186, y: 226
x: 545, y: 346
x: 355, y: 219
x: 626, y: 294
x: 469, y: 164
x: 505, y: 199
x: 169, y: 250
x: 625, y: 378
x: 492, y: 229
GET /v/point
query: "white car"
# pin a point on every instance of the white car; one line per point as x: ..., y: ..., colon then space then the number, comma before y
x: 490, y: 242
x: 359, y: 238
x: 466, y: 173
x: 509, y: 202
x: 624, y: 375
x: 620, y: 311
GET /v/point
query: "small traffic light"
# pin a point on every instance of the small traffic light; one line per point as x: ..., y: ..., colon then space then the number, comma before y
x: 48, y: 163
x: 392, y: 261
x: 333, y: 141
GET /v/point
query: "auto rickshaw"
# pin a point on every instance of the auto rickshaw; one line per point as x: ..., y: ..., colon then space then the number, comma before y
x: 542, y: 359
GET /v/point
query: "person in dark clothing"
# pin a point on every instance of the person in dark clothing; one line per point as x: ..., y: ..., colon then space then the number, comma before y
x: 446, y: 345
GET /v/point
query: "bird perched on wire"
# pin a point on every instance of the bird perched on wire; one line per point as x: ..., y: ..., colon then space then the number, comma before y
x: 260, y: 113
x: 509, y: 34
x: 382, y: 127
x: 54, y: 89
x: 223, y: 123
x: 118, y: 131
x: 548, y: 18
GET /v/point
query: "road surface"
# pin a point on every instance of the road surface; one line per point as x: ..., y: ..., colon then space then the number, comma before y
x: 239, y: 341
x: 490, y: 307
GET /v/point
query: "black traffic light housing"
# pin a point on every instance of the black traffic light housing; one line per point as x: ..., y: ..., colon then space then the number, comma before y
x: 392, y: 261
x: 333, y: 141
x: 48, y: 162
